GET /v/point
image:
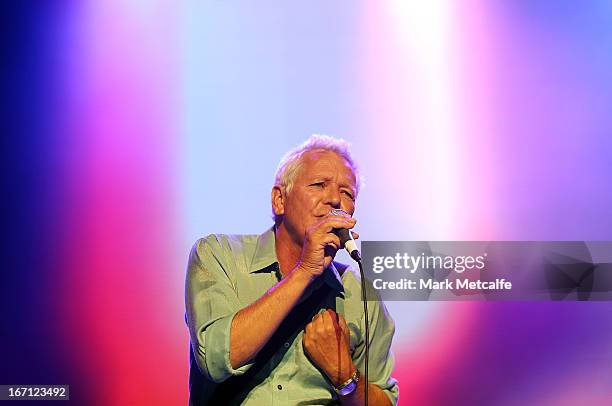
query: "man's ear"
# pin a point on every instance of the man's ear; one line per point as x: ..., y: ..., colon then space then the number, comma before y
x: 278, y: 201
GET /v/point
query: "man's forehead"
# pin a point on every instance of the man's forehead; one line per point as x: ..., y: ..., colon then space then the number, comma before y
x: 317, y: 162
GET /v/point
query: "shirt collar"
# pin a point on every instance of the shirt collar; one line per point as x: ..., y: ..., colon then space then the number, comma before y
x: 265, y: 252
x: 264, y: 260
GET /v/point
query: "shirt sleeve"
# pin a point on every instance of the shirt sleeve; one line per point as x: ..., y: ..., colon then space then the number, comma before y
x: 211, y: 304
x: 381, y: 359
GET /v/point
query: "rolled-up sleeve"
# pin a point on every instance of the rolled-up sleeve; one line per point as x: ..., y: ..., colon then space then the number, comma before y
x: 381, y: 357
x: 211, y: 304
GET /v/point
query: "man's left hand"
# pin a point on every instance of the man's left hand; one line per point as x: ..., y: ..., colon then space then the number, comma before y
x: 326, y: 342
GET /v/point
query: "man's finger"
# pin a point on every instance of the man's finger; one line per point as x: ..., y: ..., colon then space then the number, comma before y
x: 336, y: 322
x: 343, y: 326
x: 333, y: 315
x: 332, y: 240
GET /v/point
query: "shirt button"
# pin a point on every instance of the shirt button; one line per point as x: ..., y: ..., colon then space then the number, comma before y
x: 280, y: 387
x: 287, y: 345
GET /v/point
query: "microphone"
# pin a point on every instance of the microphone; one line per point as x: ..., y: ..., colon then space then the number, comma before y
x: 346, y: 238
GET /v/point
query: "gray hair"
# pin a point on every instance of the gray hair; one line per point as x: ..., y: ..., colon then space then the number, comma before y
x: 291, y: 164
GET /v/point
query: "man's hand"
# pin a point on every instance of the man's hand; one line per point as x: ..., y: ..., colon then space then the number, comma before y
x: 326, y: 342
x: 320, y: 243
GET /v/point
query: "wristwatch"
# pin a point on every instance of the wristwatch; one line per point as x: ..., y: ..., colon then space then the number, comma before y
x: 349, y: 386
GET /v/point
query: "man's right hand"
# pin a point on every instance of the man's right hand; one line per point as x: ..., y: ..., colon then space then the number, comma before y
x: 321, y: 244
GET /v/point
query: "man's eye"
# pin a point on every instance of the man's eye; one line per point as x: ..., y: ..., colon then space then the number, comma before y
x: 349, y: 194
x: 318, y: 184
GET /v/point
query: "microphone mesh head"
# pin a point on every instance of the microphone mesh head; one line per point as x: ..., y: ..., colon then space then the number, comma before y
x: 336, y: 212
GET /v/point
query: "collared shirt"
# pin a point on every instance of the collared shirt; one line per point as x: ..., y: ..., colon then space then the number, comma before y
x: 227, y: 273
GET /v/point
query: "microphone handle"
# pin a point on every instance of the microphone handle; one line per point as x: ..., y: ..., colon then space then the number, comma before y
x: 349, y: 243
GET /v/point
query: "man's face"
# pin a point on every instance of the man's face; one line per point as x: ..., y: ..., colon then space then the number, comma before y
x: 325, y: 182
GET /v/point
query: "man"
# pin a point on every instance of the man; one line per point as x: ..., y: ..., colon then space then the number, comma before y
x: 273, y: 319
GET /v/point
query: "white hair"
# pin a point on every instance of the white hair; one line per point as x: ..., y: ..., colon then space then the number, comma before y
x: 291, y: 164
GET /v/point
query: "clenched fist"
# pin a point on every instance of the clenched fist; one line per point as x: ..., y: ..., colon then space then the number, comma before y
x: 326, y: 342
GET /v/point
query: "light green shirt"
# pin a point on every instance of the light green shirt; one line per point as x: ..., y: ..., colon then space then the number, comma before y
x: 226, y: 273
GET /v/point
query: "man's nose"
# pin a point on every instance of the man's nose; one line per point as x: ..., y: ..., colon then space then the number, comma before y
x: 333, y: 197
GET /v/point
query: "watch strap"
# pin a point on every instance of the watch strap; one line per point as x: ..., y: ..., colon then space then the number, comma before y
x: 349, y: 386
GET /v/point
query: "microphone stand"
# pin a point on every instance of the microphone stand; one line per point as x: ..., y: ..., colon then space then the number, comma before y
x: 357, y: 257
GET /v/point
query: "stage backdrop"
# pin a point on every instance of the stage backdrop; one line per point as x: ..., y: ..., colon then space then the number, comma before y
x: 137, y: 127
